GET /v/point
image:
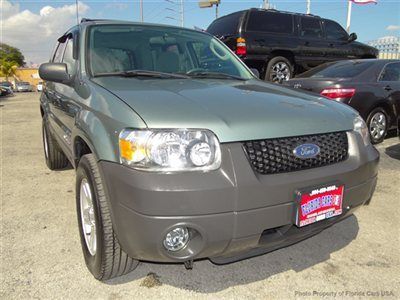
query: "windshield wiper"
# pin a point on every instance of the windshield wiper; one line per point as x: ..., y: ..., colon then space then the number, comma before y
x: 141, y: 73
x: 216, y: 75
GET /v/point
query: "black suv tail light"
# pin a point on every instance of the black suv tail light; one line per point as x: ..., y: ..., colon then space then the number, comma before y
x: 241, y: 48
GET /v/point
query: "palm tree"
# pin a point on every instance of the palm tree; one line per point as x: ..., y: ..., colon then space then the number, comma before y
x: 8, y: 68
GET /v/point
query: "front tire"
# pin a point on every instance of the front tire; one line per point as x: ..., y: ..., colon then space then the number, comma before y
x: 377, y: 123
x: 102, y: 252
x: 54, y: 156
x: 279, y: 69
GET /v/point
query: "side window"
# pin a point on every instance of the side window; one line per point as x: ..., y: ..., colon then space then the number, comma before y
x: 262, y: 21
x: 57, y: 57
x: 391, y: 72
x: 334, y: 31
x: 68, y: 56
x: 311, y: 27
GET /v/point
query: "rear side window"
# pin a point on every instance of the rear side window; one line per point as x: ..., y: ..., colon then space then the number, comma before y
x: 270, y: 22
x: 311, y: 27
x: 391, y: 72
x: 59, y: 52
x: 334, y: 31
x: 338, y: 70
x: 226, y: 25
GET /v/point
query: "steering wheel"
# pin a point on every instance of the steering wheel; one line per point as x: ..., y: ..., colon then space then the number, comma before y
x: 212, y: 47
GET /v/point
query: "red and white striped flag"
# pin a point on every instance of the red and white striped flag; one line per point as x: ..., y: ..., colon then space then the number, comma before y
x: 364, y: 1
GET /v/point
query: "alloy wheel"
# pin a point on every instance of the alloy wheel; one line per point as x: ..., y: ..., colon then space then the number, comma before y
x: 45, y: 143
x: 377, y: 125
x: 87, y: 216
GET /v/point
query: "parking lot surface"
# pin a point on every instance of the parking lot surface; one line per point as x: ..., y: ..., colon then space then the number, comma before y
x: 41, y: 253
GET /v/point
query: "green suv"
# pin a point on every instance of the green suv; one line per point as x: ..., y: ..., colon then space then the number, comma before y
x: 181, y: 153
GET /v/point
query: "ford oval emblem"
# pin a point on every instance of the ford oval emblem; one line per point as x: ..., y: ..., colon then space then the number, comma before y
x: 305, y: 151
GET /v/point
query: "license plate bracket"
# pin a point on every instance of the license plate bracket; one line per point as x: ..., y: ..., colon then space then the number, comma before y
x: 320, y: 203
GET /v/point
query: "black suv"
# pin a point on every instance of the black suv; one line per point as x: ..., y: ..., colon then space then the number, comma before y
x: 279, y: 44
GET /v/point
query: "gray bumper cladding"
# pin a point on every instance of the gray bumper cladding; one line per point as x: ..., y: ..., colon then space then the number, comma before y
x: 232, y: 213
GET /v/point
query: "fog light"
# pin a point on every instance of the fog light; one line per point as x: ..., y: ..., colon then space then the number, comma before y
x: 176, y: 239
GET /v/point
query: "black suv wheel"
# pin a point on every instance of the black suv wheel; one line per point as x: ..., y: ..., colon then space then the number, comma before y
x: 102, y: 252
x: 279, y: 69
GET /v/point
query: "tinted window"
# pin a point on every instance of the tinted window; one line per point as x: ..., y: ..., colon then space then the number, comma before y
x: 270, y: 22
x: 59, y: 52
x: 226, y: 25
x: 335, y: 31
x: 311, y: 27
x: 391, y: 72
x: 338, y: 70
x: 68, y: 58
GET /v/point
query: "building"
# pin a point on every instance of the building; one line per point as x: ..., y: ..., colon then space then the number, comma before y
x: 388, y: 46
x: 30, y: 75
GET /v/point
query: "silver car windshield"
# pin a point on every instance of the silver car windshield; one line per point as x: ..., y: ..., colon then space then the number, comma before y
x: 120, y: 49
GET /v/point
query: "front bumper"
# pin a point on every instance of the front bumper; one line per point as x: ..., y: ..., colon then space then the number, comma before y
x: 235, y: 212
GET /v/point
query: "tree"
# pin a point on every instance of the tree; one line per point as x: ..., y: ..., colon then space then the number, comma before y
x: 8, y: 68
x: 11, y: 54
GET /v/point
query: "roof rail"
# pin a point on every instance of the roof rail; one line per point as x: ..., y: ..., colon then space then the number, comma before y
x: 286, y: 12
x: 84, y: 20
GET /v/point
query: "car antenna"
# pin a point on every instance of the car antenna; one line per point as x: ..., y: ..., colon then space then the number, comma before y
x: 77, y: 12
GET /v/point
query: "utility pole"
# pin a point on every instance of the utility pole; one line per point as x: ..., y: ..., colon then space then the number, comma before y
x: 141, y: 11
x: 177, y: 11
x: 210, y: 3
x: 308, y: 7
x: 348, y: 17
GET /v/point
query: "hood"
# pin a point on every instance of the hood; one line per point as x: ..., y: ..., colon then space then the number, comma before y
x: 233, y: 110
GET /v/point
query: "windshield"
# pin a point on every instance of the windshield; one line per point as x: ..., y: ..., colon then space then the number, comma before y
x: 121, y: 48
x: 347, y: 69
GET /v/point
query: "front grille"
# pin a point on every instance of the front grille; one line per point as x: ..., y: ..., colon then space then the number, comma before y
x: 272, y: 156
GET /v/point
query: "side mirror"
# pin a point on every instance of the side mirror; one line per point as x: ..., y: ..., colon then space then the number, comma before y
x: 352, y: 37
x: 55, y: 72
x: 255, y: 72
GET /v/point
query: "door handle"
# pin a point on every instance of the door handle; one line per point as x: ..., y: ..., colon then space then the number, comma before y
x: 387, y: 88
x: 307, y: 43
x: 331, y: 45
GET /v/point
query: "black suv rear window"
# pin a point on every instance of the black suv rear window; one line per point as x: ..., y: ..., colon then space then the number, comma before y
x: 270, y: 22
x: 227, y: 25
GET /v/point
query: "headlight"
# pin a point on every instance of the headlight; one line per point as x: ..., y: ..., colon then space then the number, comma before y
x: 362, y: 129
x: 170, y: 150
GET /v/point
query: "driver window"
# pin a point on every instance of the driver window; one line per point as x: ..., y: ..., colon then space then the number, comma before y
x: 334, y: 31
x: 68, y: 57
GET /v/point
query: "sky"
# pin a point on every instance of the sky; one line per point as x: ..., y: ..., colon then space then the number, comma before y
x: 33, y: 25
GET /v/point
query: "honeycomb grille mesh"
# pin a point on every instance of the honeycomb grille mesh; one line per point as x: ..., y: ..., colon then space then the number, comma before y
x: 272, y: 156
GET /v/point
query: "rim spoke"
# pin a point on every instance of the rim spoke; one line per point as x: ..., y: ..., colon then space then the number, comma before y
x: 87, y: 216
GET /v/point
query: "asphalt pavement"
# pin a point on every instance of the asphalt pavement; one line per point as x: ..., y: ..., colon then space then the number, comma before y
x: 41, y: 253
